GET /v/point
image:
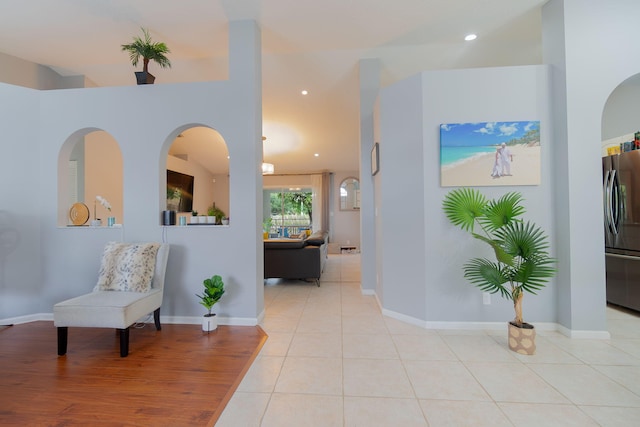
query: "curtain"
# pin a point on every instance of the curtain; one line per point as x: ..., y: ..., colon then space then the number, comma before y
x: 316, y: 204
x: 320, y: 207
x: 326, y: 183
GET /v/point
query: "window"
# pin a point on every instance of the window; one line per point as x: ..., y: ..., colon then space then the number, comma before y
x: 290, y: 211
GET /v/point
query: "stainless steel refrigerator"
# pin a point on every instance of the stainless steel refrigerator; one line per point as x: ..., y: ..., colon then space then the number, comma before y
x: 621, y: 201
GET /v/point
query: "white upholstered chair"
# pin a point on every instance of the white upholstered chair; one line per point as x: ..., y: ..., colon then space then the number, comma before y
x: 115, y: 308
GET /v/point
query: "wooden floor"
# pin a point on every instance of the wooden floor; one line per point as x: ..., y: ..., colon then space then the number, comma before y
x: 178, y: 376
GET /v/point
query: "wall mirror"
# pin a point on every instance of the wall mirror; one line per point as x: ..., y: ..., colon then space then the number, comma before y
x: 350, y: 194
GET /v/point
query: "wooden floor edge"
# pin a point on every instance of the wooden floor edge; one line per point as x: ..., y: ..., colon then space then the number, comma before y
x: 234, y: 386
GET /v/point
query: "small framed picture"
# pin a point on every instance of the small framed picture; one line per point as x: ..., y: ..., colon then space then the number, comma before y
x: 375, y: 159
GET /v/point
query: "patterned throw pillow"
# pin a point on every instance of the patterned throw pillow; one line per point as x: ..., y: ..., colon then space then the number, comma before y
x: 127, y: 267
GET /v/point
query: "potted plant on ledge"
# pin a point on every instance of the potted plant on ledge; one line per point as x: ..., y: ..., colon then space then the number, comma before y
x: 217, y: 212
x: 213, y: 291
x: 522, y: 260
x: 149, y: 51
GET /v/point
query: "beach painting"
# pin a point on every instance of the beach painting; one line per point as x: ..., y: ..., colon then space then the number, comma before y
x: 490, y: 154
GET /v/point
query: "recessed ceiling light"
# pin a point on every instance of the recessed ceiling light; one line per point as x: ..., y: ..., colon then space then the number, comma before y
x: 304, y: 92
x: 470, y: 37
x: 317, y: 155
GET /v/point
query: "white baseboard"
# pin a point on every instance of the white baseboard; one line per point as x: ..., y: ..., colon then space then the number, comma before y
x: 596, y: 335
x: 197, y: 320
x: 250, y: 321
x: 26, y: 319
x: 177, y: 320
x: 495, y: 326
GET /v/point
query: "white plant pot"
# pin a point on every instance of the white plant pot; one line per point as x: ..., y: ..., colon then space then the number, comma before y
x: 194, y: 220
x: 209, y: 323
x: 225, y: 222
x: 211, y: 220
x: 202, y: 219
x: 96, y: 222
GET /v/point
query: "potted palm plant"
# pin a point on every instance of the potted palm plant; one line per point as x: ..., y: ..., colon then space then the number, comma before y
x: 522, y: 262
x: 213, y: 291
x: 149, y: 51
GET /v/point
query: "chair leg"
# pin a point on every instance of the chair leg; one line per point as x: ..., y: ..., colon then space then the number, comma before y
x: 156, y: 319
x: 124, y: 342
x: 63, y: 332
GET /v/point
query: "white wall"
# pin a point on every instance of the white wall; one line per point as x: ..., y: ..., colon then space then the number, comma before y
x: 52, y: 263
x: 21, y: 205
x: 369, y: 79
x: 423, y: 253
x: 599, y: 52
x: 19, y: 72
x: 401, y: 215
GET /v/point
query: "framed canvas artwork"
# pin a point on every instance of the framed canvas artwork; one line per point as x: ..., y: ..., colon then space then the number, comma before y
x: 490, y: 154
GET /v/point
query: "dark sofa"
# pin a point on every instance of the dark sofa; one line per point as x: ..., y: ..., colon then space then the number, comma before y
x: 302, y: 259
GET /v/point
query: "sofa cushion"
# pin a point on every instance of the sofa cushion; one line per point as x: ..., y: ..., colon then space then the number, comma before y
x: 316, y: 239
x: 127, y: 267
x: 284, y: 243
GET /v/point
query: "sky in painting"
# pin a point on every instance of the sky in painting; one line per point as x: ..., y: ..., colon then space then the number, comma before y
x: 483, y: 134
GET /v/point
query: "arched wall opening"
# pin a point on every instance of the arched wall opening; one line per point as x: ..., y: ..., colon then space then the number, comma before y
x: 196, y: 173
x: 90, y: 165
x: 620, y: 150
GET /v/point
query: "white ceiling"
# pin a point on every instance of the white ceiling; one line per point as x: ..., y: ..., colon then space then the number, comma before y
x: 312, y: 45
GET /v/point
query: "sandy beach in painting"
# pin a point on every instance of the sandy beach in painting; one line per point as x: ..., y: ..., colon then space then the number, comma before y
x: 525, y: 170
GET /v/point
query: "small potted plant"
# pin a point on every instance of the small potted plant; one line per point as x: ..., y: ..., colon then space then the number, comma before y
x: 149, y: 51
x: 266, y: 228
x: 522, y: 261
x: 97, y: 222
x: 217, y: 212
x: 213, y: 291
x: 194, y: 217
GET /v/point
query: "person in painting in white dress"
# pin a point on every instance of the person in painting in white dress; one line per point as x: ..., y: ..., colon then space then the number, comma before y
x: 497, y: 164
x: 506, y: 159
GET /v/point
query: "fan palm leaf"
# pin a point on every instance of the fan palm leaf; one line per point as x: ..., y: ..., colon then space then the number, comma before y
x: 463, y: 206
x: 522, y: 239
x: 501, y: 255
x: 503, y: 211
x: 534, y: 274
x: 486, y: 275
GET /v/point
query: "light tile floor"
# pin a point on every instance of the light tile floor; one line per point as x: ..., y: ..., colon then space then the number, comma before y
x: 332, y: 359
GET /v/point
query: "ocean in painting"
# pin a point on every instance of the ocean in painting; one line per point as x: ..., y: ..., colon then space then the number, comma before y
x: 455, y: 155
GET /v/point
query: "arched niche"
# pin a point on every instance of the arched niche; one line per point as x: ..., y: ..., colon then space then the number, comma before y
x: 90, y: 165
x: 621, y: 112
x: 350, y: 194
x: 620, y: 123
x: 197, y: 173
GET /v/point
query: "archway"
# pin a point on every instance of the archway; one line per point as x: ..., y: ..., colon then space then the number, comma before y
x: 197, y: 168
x: 620, y: 124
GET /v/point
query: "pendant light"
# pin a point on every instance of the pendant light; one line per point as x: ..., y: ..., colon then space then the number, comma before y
x: 267, y: 168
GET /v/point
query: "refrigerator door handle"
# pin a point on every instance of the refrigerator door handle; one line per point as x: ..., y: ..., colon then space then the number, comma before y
x: 614, y: 202
x: 620, y: 256
x: 608, y: 202
x: 605, y: 200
